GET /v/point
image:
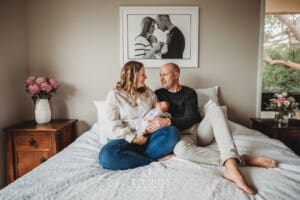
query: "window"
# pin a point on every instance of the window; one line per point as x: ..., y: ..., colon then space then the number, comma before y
x: 281, y: 69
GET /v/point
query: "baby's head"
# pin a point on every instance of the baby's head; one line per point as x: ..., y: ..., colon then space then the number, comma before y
x: 162, y: 106
x: 152, y: 39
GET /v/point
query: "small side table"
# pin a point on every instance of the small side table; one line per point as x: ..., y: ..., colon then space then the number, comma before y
x: 29, y: 144
x: 289, y: 134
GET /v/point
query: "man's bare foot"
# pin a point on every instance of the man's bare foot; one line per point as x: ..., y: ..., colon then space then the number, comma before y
x: 259, y: 161
x: 232, y: 173
x: 167, y: 157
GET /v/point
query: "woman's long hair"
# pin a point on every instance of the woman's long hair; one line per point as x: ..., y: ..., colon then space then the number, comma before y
x: 128, y: 79
x: 146, y: 25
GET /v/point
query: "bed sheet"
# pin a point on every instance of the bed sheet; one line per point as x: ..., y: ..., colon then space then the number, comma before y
x: 75, y: 173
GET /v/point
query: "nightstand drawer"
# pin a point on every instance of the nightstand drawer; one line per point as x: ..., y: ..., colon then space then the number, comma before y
x: 32, y: 142
x: 26, y: 161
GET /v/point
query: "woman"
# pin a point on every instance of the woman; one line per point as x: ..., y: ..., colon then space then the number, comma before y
x: 146, y: 45
x: 129, y: 101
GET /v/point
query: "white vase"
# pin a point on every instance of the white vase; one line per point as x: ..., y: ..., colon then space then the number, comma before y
x: 42, y: 111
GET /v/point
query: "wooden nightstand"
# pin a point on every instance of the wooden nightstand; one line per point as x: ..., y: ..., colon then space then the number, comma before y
x: 289, y: 134
x: 29, y: 144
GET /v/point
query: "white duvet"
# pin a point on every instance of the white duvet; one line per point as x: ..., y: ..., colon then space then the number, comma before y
x: 75, y: 173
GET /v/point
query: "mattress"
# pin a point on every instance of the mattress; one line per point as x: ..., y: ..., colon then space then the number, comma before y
x: 75, y: 173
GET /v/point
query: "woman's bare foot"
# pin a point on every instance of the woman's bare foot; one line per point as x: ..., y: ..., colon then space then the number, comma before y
x: 232, y: 173
x: 259, y: 161
x: 167, y: 157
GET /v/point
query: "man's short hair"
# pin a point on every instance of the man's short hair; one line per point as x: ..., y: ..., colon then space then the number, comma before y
x: 175, y: 67
x: 166, y: 17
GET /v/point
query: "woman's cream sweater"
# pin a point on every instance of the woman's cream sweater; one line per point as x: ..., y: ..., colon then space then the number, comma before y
x: 123, y: 112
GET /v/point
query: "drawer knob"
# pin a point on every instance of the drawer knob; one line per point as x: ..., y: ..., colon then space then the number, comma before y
x: 32, y: 142
x: 43, y: 159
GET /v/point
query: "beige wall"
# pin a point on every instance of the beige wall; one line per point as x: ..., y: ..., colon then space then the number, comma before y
x: 13, y: 71
x: 77, y: 42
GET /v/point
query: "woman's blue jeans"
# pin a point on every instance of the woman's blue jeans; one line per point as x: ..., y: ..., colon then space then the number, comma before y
x: 119, y: 154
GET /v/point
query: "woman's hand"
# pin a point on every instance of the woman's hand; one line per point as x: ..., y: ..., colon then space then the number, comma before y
x: 158, y: 123
x: 140, y: 139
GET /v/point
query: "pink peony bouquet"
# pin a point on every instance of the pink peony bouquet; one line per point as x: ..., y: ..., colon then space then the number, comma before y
x: 283, y: 104
x: 41, y: 87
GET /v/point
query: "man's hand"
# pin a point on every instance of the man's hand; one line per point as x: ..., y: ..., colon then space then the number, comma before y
x: 140, y: 139
x: 158, y: 123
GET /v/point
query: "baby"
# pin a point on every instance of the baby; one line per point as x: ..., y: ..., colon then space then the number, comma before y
x: 160, y: 110
x: 163, y: 48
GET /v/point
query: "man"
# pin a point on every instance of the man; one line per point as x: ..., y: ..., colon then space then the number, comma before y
x: 185, y: 116
x: 175, y: 38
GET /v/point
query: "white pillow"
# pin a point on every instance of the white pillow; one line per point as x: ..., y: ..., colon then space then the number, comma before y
x: 101, y: 109
x: 101, y: 119
x: 206, y: 94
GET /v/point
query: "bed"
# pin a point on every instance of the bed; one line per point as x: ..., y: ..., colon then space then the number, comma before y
x: 75, y: 173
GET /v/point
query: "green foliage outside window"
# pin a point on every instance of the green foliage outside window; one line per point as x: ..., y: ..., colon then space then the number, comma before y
x: 282, y: 47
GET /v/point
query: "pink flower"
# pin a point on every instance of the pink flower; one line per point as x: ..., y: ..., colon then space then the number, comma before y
x: 54, y: 83
x: 46, y: 87
x: 33, y: 89
x: 41, y: 87
x: 40, y: 80
x: 30, y: 80
x: 280, y: 100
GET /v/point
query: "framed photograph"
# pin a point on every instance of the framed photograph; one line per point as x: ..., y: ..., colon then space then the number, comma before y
x: 158, y: 35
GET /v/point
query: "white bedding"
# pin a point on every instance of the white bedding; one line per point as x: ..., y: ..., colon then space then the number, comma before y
x: 75, y: 173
